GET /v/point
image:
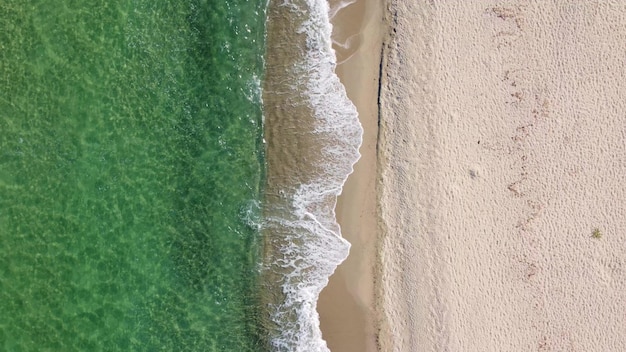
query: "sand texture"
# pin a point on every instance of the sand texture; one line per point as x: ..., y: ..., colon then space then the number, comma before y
x: 502, y: 149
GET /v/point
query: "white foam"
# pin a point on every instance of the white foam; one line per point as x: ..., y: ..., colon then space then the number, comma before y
x: 314, y: 245
x: 253, y: 90
x: 341, y: 5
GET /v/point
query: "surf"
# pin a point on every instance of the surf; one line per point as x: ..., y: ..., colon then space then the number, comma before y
x: 313, y: 135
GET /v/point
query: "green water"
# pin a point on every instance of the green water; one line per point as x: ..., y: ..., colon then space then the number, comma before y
x: 130, y: 157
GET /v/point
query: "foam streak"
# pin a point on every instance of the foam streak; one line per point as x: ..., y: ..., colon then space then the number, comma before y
x: 311, y: 242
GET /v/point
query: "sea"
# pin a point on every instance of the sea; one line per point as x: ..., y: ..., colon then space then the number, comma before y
x: 168, y: 174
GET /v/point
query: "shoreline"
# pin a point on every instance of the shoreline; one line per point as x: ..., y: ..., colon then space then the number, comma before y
x: 348, y: 318
x: 483, y: 218
x: 312, y: 132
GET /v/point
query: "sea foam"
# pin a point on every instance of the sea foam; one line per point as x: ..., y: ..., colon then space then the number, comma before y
x: 312, y: 246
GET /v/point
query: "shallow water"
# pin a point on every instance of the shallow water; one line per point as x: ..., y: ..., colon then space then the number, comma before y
x: 139, y: 206
x: 313, y: 135
x: 131, y: 160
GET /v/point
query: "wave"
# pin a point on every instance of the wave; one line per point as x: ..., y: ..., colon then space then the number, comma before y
x: 311, y: 246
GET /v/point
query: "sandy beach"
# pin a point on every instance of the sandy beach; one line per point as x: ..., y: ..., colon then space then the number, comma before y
x: 491, y: 215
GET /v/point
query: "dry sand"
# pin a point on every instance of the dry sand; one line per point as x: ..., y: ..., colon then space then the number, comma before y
x: 503, y: 146
x: 346, y: 305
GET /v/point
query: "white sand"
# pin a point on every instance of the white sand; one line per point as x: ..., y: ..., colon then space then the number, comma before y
x: 503, y: 146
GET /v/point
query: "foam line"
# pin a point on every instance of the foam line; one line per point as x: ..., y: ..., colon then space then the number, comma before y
x: 314, y: 246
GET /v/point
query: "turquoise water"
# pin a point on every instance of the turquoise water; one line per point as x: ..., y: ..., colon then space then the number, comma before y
x: 130, y: 162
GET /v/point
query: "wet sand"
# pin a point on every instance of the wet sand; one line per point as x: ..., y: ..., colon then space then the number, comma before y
x: 346, y: 305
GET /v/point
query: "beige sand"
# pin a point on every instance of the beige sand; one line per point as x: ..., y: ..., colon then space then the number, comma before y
x: 346, y: 304
x: 503, y: 147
